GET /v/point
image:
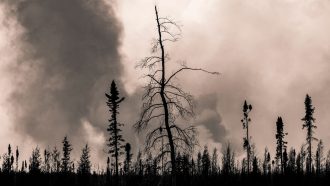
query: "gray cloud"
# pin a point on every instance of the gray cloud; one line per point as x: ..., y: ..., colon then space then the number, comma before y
x: 70, y: 54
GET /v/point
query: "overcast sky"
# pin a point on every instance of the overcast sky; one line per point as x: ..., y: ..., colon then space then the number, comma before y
x: 58, y: 57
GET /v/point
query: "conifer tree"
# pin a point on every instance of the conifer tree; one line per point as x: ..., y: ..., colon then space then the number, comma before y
x: 319, y: 157
x: 128, y: 158
x: 281, y: 143
x: 246, y: 140
x: 115, y: 142
x: 84, y: 165
x: 309, y: 125
x: 35, y: 161
x: 66, y: 162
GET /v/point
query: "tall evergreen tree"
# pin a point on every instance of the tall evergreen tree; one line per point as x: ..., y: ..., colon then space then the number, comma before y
x: 35, y: 161
x: 281, y: 143
x: 214, y: 162
x: 292, y: 161
x: 8, y: 161
x: 17, y: 156
x: 55, y: 160
x: 128, y: 158
x: 66, y: 162
x: 266, y: 162
x: 319, y: 157
x: 84, y: 165
x: 309, y: 125
x: 228, y: 160
x: 246, y: 140
x: 115, y: 142
x: 206, y: 162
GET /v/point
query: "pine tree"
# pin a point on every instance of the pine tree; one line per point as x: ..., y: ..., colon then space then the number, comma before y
x: 128, y: 158
x: 84, y: 165
x: 206, y: 162
x: 266, y: 162
x: 199, y: 163
x: 292, y: 161
x: 35, y: 161
x: 55, y: 159
x: 281, y: 144
x: 66, y: 162
x: 214, y: 162
x: 309, y: 125
x: 17, y: 156
x: 8, y: 161
x: 228, y: 160
x: 319, y: 157
x: 246, y: 140
x: 116, y: 140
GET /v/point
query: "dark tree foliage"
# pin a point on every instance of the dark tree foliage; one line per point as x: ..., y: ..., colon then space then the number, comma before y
x: 246, y: 140
x: 266, y: 165
x: 280, y: 143
x: 214, y: 162
x: 55, y: 161
x: 228, y: 161
x: 84, y: 165
x: 17, y: 156
x: 115, y: 142
x: 8, y: 161
x: 291, y: 168
x: 66, y: 165
x: 319, y: 157
x: 128, y: 158
x: 35, y: 161
x: 309, y: 125
x: 47, y: 159
x: 206, y: 162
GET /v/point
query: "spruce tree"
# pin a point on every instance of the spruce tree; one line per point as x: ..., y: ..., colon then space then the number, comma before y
x: 128, y: 158
x: 116, y: 140
x: 309, y: 125
x: 66, y: 162
x: 281, y: 143
x: 84, y: 165
x: 35, y: 161
x: 246, y: 140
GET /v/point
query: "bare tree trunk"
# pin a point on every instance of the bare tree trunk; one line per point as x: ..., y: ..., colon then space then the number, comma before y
x: 164, y: 101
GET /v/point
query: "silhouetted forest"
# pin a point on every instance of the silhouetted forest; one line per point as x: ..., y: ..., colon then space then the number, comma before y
x: 169, y: 155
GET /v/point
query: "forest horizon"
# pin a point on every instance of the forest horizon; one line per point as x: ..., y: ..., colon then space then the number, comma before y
x: 108, y: 92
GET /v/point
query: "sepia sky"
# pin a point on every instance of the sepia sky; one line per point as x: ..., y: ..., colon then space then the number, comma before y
x: 58, y: 57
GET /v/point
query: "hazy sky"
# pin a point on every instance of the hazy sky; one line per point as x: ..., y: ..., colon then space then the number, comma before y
x: 58, y: 57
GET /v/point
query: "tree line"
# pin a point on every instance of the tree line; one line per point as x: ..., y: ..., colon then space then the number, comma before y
x: 169, y: 156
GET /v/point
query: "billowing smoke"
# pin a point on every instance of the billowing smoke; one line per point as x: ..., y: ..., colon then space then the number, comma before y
x: 69, y: 56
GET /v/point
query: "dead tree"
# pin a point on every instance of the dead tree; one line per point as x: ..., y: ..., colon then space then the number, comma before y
x: 164, y: 100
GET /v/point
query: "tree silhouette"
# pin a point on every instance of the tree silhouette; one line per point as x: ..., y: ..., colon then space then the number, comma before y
x: 115, y: 141
x: 17, y: 156
x: 228, y: 160
x: 280, y: 143
x: 164, y: 100
x: 246, y: 140
x: 35, y: 161
x: 308, y: 124
x: 55, y: 159
x: 8, y: 161
x: 128, y: 158
x: 206, y: 162
x: 292, y: 161
x: 214, y: 162
x: 84, y: 165
x: 66, y: 162
x: 319, y: 157
x: 47, y: 159
x: 266, y: 162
